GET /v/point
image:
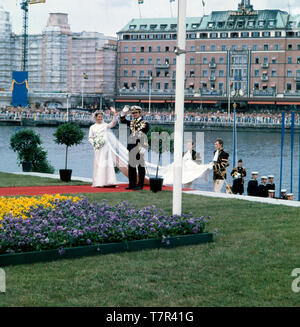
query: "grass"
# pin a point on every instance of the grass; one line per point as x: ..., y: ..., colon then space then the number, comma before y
x: 249, y: 264
x: 14, y: 180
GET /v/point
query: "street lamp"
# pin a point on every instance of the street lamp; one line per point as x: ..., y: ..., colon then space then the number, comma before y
x: 84, y: 77
x: 67, y: 107
x: 150, y: 86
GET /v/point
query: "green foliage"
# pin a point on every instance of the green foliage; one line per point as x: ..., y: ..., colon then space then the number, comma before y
x: 25, y: 143
x: 68, y: 134
x: 40, y: 164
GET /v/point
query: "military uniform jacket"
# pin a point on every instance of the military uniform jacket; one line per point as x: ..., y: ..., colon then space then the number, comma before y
x: 221, y: 164
x: 240, y: 170
x: 270, y: 186
x: 262, y: 191
x: 138, y: 132
x: 252, y: 188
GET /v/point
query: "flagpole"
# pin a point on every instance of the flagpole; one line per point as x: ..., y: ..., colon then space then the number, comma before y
x: 140, y: 11
x: 179, y: 107
x: 171, y: 9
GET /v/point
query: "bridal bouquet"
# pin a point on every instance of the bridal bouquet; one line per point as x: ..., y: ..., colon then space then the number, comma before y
x: 98, y: 142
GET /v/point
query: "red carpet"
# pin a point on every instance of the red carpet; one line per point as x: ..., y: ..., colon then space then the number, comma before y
x: 63, y: 189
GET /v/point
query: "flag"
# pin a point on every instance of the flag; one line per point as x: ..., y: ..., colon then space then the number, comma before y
x: 140, y: 2
x: 203, y: 3
x: 84, y: 75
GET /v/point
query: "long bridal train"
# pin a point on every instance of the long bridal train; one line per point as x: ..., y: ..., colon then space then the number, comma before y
x: 190, y: 170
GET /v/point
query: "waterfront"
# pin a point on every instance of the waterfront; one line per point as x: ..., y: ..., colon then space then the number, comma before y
x: 260, y: 150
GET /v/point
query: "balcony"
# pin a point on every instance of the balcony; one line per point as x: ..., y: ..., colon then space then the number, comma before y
x: 297, y: 78
x: 264, y: 93
x: 292, y: 93
x: 212, y: 65
x: 265, y: 65
x: 212, y: 78
x: 265, y: 78
x: 162, y: 66
x: 145, y: 78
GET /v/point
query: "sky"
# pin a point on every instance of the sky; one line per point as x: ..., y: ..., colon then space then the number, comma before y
x: 110, y: 16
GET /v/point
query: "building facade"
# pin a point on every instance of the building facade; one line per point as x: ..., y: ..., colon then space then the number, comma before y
x: 58, y: 60
x: 250, y: 55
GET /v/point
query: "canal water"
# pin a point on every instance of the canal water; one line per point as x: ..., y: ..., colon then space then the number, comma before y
x: 259, y: 150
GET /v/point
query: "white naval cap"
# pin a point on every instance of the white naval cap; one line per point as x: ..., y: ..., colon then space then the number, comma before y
x: 264, y: 177
x: 289, y: 194
x: 271, y: 191
x: 270, y: 176
x: 254, y: 173
x: 283, y: 190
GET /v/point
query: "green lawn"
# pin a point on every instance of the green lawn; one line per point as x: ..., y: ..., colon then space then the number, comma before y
x: 249, y: 264
x: 13, y: 180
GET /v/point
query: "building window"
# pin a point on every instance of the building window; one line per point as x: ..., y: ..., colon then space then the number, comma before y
x: 142, y: 73
x: 125, y: 73
x: 126, y: 49
x: 158, y: 48
x: 142, y: 61
x: 134, y: 49
x: 133, y: 74
x: 204, y: 73
x: 233, y: 47
x: 256, y: 86
x: 274, y: 60
x: 221, y: 86
x: 150, y: 61
x: 276, y: 47
x: 167, y: 49
x: 289, y: 87
x: 149, y: 72
x: 277, y: 34
x: 166, y: 86
x: 254, y: 48
x: 192, y: 61
x: 224, y: 47
x: 245, y: 34
x: 174, y: 61
x: 290, y: 61
x: 205, y: 61
x: 222, y: 60
x: 266, y: 34
x: 157, y: 85
x: 125, y: 61
x: 193, y: 48
x: 290, y: 47
x: 274, y: 73
x: 192, y: 73
x: 255, y: 34
x: 142, y: 49
x: 158, y: 61
x: 266, y: 47
x: 298, y: 60
x: 213, y: 47
x: 150, y: 49
x: 256, y: 73
x: 213, y: 35
x: 256, y: 60
x: 203, y: 47
x: 221, y: 73
x: 289, y: 73
x: 224, y: 35
x: 133, y: 61
x: 244, y: 47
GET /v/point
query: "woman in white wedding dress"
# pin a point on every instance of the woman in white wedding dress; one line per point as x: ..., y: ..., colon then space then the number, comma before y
x: 104, y: 171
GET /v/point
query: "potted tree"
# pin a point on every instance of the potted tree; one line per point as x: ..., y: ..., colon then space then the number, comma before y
x: 163, y: 145
x: 25, y: 142
x: 68, y: 134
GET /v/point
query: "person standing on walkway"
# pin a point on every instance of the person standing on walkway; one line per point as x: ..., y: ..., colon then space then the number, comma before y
x: 252, y: 189
x: 238, y: 173
x: 221, y: 162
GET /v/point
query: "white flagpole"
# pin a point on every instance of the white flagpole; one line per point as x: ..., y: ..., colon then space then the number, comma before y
x: 171, y: 9
x: 179, y: 107
x: 140, y: 11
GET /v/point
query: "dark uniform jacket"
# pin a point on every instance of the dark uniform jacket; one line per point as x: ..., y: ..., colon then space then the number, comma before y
x: 221, y: 164
x: 252, y: 188
x: 138, y: 132
x: 270, y: 186
x: 262, y: 191
x: 238, y: 183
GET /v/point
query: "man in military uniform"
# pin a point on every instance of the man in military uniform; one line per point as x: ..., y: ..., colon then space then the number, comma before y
x: 137, y: 144
x: 238, y: 173
x: 283, y: 195
x: 220, y: 164
x: 262, y: 188
x: 270, y: 185
x: 252, y: 188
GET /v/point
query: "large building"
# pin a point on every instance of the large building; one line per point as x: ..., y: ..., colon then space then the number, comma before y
x: 57, y: 62
x: 253, y: 55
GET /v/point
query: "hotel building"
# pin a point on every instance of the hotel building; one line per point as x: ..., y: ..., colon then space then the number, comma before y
x: 251, y: 55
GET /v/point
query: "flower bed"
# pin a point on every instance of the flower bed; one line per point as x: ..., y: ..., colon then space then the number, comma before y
x: 71, y: 223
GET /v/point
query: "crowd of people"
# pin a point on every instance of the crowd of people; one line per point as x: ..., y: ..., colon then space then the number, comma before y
x: 207, y: 117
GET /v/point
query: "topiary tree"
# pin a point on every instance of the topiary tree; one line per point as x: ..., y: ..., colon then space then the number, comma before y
x: 40, y: 164
x: 25, y: 143
x: 68, y: 134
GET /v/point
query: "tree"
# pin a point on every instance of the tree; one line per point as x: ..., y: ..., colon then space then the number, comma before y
x: 69, y: 134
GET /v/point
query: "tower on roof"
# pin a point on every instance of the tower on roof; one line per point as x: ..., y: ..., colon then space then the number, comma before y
x: 245, y: 5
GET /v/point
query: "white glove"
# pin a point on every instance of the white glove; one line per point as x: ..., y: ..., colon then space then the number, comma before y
x: 124, y: 111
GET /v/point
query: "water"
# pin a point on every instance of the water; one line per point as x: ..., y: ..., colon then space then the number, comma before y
x: 259, y: 151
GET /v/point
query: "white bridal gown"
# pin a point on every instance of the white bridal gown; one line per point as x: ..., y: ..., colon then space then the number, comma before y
x: 104, y: 172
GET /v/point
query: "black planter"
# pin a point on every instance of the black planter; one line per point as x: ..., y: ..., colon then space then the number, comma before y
x: 156, y: 184
x: 27, y: 167
x: 65, y: 175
